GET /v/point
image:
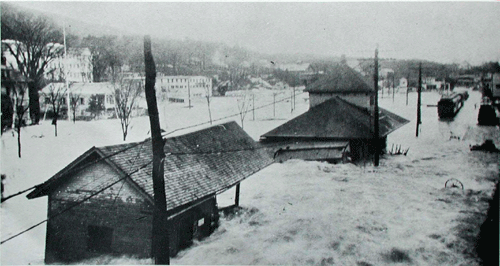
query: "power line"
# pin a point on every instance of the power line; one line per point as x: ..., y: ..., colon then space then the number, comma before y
x: 142, y: 142
x: 76, y: 204
x: 225, y: 117
x: 79, y: 168
x: 117, y: 181
x: 131, y: 163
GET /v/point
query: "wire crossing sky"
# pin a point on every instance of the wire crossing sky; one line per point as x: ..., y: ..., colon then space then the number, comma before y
x: 446, y: 32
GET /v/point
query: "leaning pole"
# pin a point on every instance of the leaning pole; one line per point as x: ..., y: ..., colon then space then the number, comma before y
x: 160, y: 241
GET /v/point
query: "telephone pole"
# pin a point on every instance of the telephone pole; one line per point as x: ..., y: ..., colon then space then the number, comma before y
x: 274, y: 104
x: 393, y: 90
x: 160, y: 245
x: 253, y: 106
x: 419, y: 91
x: 375, y: 115
x: 189, y: 95
x: 66, y: 73
x: 407, y: 87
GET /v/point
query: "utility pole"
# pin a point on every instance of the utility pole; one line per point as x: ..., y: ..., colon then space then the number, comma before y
x: 294, y: 98
x: 160, y: 245
x: 407, y: 87
x: 66, y: 73
x: 189, y: 95
x: 375, y: 115
x: 419, y: 91
x: 253, y: 106
x: 274, y: 104
x: 392, y: 87
x: 237, y: 196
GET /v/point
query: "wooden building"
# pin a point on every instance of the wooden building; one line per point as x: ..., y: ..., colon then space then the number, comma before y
x: 339, y: 123
x: 102, y: 202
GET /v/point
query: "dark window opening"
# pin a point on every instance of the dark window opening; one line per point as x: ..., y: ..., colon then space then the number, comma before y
x: 99, y: 239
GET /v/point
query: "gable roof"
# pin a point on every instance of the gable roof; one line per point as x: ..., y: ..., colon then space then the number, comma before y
x: 196, y: 165
x: 340, y: 78
x: 337, y: 119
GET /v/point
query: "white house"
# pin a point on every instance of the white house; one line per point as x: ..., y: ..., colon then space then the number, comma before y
x: 81, y: 93
x: 76, y: 66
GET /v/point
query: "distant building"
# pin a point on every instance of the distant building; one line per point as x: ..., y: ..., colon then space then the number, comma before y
x: 430, y: 83
x: 181, y: 88
x: 344, y: 82
x: 386, y: 72
x: 178, y: 88
x: 12, y: 81
x: 296, y: 67
x: 76, y: 66
x: 8, y: 59
x: 82, y: 94
x: 339, y: 123
x: 403, y: 83
x: 103, y: 201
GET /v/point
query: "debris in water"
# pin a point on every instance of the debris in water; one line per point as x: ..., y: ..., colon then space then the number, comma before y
x: 488, y: 145
x: 453, y: 183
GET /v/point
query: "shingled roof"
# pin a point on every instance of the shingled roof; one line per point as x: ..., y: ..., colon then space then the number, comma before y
x: 342, y: 79
x: 336, y: 119
x: 196, y: 165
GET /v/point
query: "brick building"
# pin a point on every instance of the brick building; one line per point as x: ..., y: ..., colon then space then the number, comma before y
x: 102, y: 202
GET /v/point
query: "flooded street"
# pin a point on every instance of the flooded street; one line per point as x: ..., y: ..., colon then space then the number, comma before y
x: 312, y: 213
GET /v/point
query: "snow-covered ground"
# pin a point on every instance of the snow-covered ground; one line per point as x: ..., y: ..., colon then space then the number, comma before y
x: 296, y: 212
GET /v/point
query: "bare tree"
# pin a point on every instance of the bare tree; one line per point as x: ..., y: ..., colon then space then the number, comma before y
x: 56, y: 95
x: 243, y: 105
x: 74, y: 103
x: 125, y: 94
x: 17, y: 91
x: 208, y: 95
x: 33, y: 45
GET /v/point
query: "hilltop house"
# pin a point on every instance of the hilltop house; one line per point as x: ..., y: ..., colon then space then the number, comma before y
x: 102, y: 202
x: 339, y: 124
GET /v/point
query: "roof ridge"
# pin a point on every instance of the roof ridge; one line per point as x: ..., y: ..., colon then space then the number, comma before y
x: 131, y: 144
x: 200, y: 130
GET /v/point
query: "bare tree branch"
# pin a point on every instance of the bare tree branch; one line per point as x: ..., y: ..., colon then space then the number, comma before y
x: 125, y: 94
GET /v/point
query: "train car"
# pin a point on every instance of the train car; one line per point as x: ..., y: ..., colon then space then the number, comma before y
x: 449, y: 105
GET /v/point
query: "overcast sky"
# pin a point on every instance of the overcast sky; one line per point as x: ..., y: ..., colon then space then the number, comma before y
x: 444, y: 32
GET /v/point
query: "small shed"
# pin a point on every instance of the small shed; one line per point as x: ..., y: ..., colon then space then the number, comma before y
x: 102, y: 202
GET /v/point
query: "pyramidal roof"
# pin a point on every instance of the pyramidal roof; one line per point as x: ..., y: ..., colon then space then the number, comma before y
x: 340, y: 78
x: 336, y: 119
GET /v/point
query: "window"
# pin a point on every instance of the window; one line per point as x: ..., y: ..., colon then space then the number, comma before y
x: 82, y: 101
x: 109, y: 99
x: 99, y: 238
